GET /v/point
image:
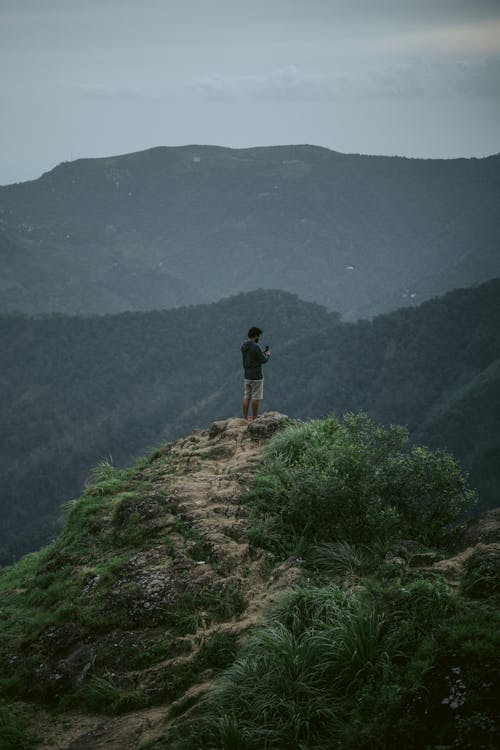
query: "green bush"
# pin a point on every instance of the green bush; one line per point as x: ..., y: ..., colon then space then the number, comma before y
x: 355, y: 482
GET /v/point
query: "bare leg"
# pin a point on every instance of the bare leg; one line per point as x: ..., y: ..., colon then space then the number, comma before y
x: 255, y: 408
x: 246, y: 404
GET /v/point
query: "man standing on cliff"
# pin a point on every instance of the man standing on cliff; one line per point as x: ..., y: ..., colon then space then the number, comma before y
x: 253, y: 359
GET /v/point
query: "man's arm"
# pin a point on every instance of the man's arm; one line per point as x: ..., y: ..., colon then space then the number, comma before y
x: 263, y: 356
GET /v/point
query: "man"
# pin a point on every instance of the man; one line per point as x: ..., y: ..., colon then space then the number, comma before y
x: 253, y: 359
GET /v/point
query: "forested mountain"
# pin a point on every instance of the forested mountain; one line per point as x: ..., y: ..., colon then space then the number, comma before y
x: 185, y: 225
x: 76, y: 391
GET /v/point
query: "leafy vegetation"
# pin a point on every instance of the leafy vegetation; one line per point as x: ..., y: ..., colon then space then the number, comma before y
x: 351, y: 482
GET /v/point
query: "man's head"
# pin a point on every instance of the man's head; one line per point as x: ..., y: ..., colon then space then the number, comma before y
x: 254, y: 333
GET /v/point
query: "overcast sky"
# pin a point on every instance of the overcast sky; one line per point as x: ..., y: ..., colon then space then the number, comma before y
x: 84, y: 78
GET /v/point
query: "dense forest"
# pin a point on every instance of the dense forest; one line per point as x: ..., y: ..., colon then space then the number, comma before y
x: 77, y: 391
x: 186, y: 225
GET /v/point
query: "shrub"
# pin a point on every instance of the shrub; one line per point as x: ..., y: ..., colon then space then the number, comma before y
x: 352, y: 482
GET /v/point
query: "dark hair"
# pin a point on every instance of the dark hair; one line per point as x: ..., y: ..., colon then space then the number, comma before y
x: 254, y: 331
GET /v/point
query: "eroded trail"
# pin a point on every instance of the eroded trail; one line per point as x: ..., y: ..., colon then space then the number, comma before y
x: 196, y: 502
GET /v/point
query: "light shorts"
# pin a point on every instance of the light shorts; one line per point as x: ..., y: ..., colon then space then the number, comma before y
x: 254, y: 390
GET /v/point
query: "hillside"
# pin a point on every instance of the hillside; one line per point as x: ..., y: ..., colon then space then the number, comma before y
x: 80, y: 390
x: 114, y: 635
x: 168, y: 583
x: 77, y: 391
x: 186, y: 225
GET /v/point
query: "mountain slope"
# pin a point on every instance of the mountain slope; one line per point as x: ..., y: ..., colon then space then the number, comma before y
x: 160, y: 585
x: 77, y: 391
x: 114, y: 636
x: 184, y: 225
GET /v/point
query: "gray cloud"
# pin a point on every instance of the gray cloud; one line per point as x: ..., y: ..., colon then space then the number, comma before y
x: 416, y: 78
x: 406, y: 79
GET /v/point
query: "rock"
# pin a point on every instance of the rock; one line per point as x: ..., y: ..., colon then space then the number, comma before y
x: 485, y: 528
x: 266, y: 425
x: 405, y: 548
x: 482, y: 576
x: 423, y: 559
x: 217, y: 428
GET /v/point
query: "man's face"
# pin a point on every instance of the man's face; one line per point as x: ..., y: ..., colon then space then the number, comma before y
x: 256, y: 338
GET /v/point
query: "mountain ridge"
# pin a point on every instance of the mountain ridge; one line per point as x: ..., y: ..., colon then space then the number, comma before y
x: 182, y: 225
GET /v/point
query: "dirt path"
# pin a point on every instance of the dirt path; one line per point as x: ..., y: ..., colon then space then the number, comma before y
x: 205, y: 479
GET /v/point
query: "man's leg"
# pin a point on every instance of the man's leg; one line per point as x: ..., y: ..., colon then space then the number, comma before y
x: 246, y: 404
x: 255, y: 408
x: 257, y: 394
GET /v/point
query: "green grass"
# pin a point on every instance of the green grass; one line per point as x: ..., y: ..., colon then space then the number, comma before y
x: 367, y: 670
x: 214, y: 654
x: 50, y: 588
x: 203, y: 607
x: 142, y: 658
x: 14, y: 734
x: 340, y: 560
x: 102, y: 695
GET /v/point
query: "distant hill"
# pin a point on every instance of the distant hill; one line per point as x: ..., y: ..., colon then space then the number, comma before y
x: 76, y: 391
x: 192, y: 224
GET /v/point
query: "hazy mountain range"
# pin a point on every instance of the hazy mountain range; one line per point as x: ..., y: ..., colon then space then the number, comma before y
x: 186, y: 225
x: 79, y: 390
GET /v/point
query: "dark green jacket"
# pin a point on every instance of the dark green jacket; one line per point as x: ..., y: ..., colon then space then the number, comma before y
x: 253, y: 359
